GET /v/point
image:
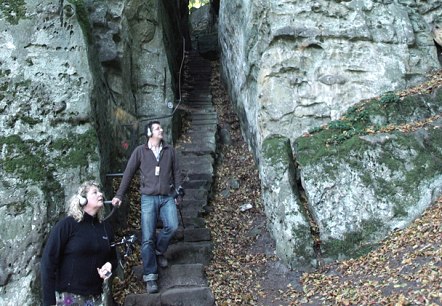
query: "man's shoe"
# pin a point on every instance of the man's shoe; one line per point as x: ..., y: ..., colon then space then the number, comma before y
x: 151, y: 286
x: 162, y: 261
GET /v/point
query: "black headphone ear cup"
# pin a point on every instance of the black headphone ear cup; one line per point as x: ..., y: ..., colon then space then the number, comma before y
x: 149, y: 132
x: 82, y: 200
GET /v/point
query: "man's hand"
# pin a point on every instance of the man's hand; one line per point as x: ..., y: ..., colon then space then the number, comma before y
x: 178, y: 200
x: 179, y: 195
x: 116, y: 202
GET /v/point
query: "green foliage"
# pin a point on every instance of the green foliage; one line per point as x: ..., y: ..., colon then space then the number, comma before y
x: 197, y: 3
x: 13, y: 10
x: 315, y: 129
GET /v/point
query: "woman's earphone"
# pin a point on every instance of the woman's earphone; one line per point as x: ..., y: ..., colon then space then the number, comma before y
x: 82, y: 200
x: 149, y: 132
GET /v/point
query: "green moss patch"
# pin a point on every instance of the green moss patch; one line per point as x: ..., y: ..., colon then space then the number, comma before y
x: 377, y: 115
x: 303, y: 237
x: 354, y: 244
x: 13, y: 10
x: 76, y: 149
x: 83, y: 18
x: 28, y: 159
x: 276, y: 149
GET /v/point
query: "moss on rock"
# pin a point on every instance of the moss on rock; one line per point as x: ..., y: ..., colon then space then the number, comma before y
x: 28, y: 159
x: 83, y: 18
x: 13, y: 10
x: 276, y: 149
x: 354, y: 243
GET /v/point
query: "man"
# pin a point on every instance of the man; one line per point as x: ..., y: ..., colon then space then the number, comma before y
x: 160, y: 183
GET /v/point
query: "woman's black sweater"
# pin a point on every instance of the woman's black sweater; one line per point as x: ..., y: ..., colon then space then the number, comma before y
x: 73, y: 253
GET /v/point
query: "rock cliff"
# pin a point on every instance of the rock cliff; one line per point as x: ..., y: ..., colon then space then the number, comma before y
x: 80, y: 78
x: 291, y: 66
x: 76, y: 78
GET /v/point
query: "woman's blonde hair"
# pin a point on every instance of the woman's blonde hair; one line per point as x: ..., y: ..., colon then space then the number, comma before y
x: 74, y: 208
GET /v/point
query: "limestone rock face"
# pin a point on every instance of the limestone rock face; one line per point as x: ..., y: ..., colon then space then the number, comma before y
x: 149, y: 67
x: 48, y: 143
x: 283, y: 207
x: 73, y: 76
x: 291, y: 66
x: 362, y: 188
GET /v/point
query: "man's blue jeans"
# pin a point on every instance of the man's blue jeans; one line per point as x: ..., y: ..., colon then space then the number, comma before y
x: 153, y: 207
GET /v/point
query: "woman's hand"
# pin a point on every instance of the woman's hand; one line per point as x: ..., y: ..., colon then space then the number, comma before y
x: 105, y: 271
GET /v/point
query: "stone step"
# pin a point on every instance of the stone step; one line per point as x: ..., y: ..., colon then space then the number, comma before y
x: 205, y: 105
x: 183, y: 275
x: 202, y: 149
x: 191, y: 234
x: 200, y: 99
x: 203, y: 78
x: 202, y: 141
x: 202, y: 136
x: 195, y: 222
x: 202, y: 111
x: 190, y: 253
x: 196, y: 296
x: 204, y: 121
x: 201, y: 94
x: 203, y: 115
x: 200, y: 175
x: 196, y: 67
x: 212, y: 129
x: 192, y: 296
x: 189, y: 204
x: 195, y: 184
x: 196, y: 234
x: 192, y: 164
x: 195, y: 212
x: 183, y: 296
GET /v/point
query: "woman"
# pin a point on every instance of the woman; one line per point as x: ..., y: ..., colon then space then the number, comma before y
x: 78, y: 256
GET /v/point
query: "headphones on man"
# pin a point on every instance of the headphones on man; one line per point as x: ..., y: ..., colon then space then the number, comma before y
x: 149, y: 128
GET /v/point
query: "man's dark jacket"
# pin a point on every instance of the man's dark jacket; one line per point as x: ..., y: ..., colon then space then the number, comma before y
x: 144, y: 159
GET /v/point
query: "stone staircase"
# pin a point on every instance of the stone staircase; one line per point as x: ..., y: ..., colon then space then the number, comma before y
x: 183, y: 282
